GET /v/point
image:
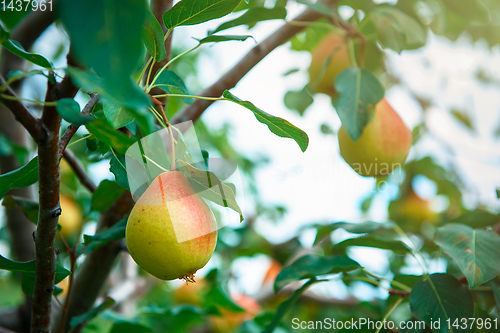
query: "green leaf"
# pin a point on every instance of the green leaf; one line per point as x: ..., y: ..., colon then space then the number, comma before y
x: 105, y: 195
x: 278, y: 126
x: 128, y: 327
x: 18, y: 50
x: 4, y: 34
x: 78, y: 320
x: 218, y: 297
x: 207, y: 185
x: 298, y: 100
x: 29, y: 208
x: 284, y: 307
x: 477, y: 219
x: 152, y: 35
x: 69, y: 110
x: 103, y: 131
x: 253, y: 16
x: 117, y: 168
x: 190, y: 12
x: 397, y: 30
x: 116, y: 232
x: 28, y: 268
x: 118, y: 116
x: 110, y: 44
x: 359, y: 90
x: 375, y: 242
x: 223, y: 38
x: 22, y: 177
x: 473, y: 10
x: 464, y: 118
x: 320, y: 7
x: 172, y: 84
x: 311, y: 266
x: 441, y: 297
x: 476, y: 251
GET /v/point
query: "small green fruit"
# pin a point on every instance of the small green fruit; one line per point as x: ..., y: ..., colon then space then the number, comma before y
x: 171, y: 232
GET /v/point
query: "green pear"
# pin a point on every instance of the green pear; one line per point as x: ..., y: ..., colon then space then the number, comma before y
x: 171, y: 232
x: 383, y: 145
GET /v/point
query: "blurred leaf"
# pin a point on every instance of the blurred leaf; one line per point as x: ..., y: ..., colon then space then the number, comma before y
x: 207, y: 185
x: 397, y: 247
x: 117, y: 168
x: 22, y: 177
x: 29, y: 208
x: 298, y: 100
x: 477, y: 219
x: 310, y: 266
x: 152, y: 35
x: 217, y: 296
x: 190, y: 12
x: 18, y: 50
x: 291, y: 71
x: 104, y: 132
x: 355, y: 228
x: 284, y: 307
x: 498, y: 193
x: 78, y: 320
x: 471, y: 9
x: 464, y: 118
x: 128, y: 327
x: 476, y: 251
x: 28, y: 268
x: 320, y: 7
x: 69, y: 110
x: 4, y: 35
x: 110, y: 44
x: 253, y: 16
x: 118, y: 116
x: 359, y: 90
x: 116, y: 232
x: 397, y: 30
x: 105, y: 195
x: 172, y: 84
x: 278, y: 126
x: 441, y: 297
x: 223, y: 38
x: 326, y: 129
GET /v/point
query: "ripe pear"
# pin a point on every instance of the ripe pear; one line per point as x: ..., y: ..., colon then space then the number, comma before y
x: 70, y: 218
x: 171, y: 232
x: 383, y: 145
x: 230, y: 321
x: 329, y: 58
x: 412, y: 210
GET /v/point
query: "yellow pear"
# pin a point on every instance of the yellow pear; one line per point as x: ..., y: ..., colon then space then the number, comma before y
x: 329, y: 58
x: 171, y: 232
x: 412, y: 209
x: 70, y: 218
x: 383, y: 145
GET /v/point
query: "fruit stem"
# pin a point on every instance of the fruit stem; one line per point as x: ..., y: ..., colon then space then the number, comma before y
x: 170, y: 133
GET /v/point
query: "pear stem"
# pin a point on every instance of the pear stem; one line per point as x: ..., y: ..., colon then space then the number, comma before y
x: 170, y: 133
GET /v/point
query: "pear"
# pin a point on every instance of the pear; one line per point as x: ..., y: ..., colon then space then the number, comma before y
x: 171, y: 232
x: 412, y: 210
x: 329, y: 58
x: 71, y: 217
x: 383, y: 145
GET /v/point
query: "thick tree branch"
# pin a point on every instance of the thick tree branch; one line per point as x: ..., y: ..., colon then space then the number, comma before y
x: 230, y: 79
x: 48, y: 215
x: 71, y: 130
x: 31, y: 123
x: 79, y: 170
x: 92, y: 274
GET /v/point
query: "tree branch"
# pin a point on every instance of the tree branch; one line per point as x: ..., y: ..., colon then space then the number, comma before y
x: 71, y: 129
x: 92, y: 274
x: 32, y: 124
x: 79, y: 170
x: 230, y: 79
x: 48, y: 215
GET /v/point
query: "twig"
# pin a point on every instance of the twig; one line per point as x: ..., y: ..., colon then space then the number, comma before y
x: 49, y: 211
x: 230, y: 79
x: 32, y: 124
x: 71, y: 129
x: 79, y: 170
